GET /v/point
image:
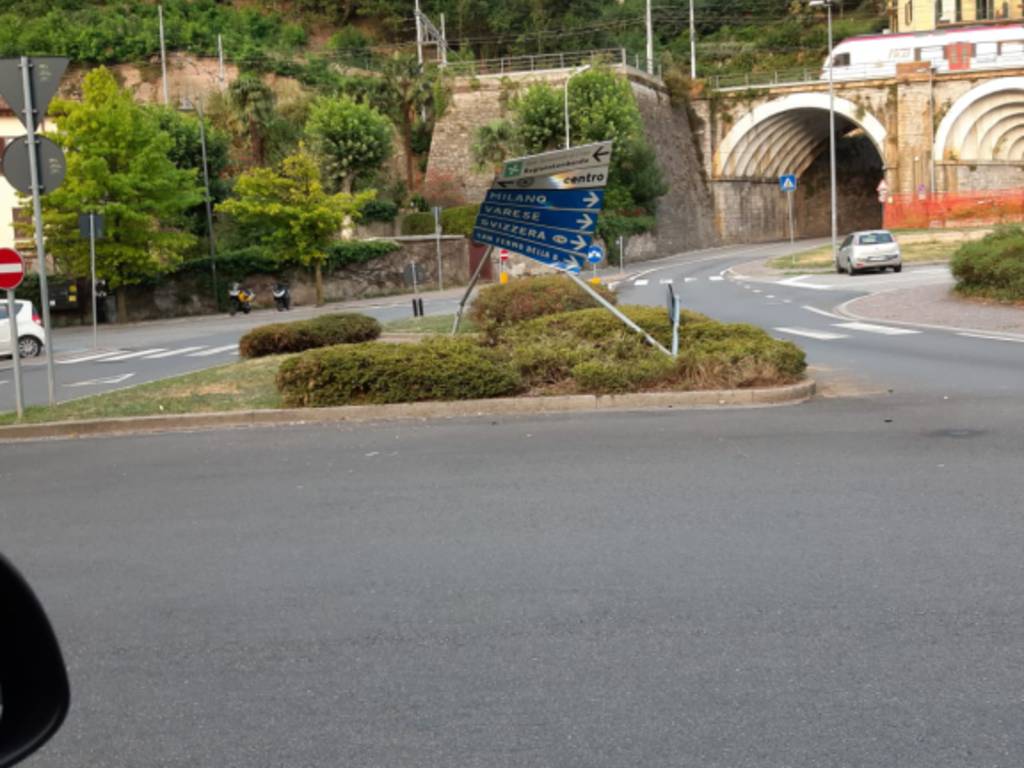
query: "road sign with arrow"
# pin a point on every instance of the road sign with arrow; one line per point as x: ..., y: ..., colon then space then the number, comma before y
x: 545, y: 207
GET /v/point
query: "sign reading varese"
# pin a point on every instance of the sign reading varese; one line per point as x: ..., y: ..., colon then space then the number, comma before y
x: 545, y: 207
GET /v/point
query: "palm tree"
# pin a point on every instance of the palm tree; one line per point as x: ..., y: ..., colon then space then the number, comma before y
x: 252, y: 102
x: 410, y: 96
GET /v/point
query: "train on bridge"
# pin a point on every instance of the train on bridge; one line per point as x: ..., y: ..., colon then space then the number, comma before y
x: 946, y: 50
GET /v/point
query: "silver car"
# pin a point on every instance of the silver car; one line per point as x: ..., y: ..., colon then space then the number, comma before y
x: 872, y: 249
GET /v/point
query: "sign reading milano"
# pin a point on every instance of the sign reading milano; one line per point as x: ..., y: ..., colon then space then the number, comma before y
x: 545, y: 207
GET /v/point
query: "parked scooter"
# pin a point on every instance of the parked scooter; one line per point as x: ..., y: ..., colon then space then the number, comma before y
x: 282, y: 297
x: 240, y: 299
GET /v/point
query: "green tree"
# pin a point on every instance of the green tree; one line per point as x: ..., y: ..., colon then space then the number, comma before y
x: 348, y: 138
x: 186, y: 153
x: 119, y: 165
x: 414, y: 97
x: 292, y: 207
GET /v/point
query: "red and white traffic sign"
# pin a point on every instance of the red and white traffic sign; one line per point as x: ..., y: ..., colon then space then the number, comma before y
x: 12, y: 269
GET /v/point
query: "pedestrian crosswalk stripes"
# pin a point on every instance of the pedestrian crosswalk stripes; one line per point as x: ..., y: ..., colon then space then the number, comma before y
x: 811, y: 333
x: 153, y: 353
x: 872, y: 328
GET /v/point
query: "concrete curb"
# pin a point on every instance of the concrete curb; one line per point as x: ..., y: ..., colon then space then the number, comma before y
x: 507, y: 406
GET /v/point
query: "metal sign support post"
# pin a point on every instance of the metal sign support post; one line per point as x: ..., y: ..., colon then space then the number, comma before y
x: 789, y: 197
x: 92, y: 274
x: 469, y: 288
x: 12, y: 314
x: 37, y: 209
x: 437, y: 238
x: 622, y: 256
x: 675, y: 327
x: 206, y: 195
x: 611, y: 308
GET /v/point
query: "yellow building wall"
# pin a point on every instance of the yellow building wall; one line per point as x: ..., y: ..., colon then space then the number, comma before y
x: 923, y: 17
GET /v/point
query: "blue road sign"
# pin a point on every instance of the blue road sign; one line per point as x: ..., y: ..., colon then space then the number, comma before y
x: 595, y: 254
x: 570, y: 221
x: 544, y: 252
x: 787, y: 182
x: 556, y: 199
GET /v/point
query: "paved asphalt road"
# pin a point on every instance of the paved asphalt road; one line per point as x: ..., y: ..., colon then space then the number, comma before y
x: 832, y: 584
x: 835, y: 584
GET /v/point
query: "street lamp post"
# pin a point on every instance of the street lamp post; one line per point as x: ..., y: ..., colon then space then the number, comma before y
x: 565, y: 101
x: 827, y: 5
x: 197, y: 105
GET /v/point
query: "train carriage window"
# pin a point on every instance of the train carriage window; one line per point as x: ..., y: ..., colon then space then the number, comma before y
x: 1012, y: 46
x: 902, y: 54
x: 932, y: 53
x: 841, y: 60
x: 986, y: 49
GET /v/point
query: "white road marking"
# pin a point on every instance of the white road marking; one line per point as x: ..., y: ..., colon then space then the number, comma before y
x: 812, y: 334
x: 787, y: 301
x: 173, y: 352
x: 822, y: 312
x: 796, y: 283
x: 689, y: 279
x: 991, y: 338
x: 97, y: 382
x: 758, y: 290
x: 131, y: 355
x: 641, y: 283
x: 716, y: 278
x: 769, y: 296
x: 666, y: 281
x: 882, y: 329
x: 98, y: 356
x: 215, y: 351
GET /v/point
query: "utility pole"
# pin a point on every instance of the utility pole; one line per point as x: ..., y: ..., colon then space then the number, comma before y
x: 419, y: 34
x: 650, y: 40
x: 444, y: 44
x: 209, y: 208
x: 827, y: 5
x: 220, y: 59
x: 163, y: 54
x: 693, y: 45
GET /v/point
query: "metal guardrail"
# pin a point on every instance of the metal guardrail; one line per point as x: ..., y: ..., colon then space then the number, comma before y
x: 537, y: 62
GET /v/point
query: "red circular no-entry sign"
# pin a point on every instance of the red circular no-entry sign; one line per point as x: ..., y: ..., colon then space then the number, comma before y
x: 12, y: 269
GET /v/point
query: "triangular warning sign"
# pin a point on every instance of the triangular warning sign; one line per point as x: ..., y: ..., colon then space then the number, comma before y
x: 788, y: 184
x: 45, y: 71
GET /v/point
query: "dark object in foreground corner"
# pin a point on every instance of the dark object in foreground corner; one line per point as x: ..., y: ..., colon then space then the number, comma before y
x: 33, y: 680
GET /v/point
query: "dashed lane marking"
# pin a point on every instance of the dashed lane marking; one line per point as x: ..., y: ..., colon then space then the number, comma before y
x: 215, y: 351
x: 689, y: 279
x: 666, y: 281
x: 822, y: 312
x: 716, y: 278
x: 881, y: 329
x: 812, y: 334
x: 640, y: 283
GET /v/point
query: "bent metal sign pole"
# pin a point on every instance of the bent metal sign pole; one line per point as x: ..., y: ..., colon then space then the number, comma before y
x: 545, y: 207
x: 12, y: 272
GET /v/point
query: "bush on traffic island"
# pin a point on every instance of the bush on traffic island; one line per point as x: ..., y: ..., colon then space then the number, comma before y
x: 443, y: 368
x: 323, y: 331
x: 529, y: 297
x: 992, y: 267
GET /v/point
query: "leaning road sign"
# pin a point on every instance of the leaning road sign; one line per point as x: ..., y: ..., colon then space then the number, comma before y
x: 590, y: 178
x: 554, y: 199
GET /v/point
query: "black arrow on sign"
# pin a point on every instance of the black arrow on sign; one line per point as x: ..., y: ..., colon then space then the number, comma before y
x: 601, y: 153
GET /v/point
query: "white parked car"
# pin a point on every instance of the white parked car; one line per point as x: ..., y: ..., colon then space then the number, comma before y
x: 30, y: 330
x: 873, y: 249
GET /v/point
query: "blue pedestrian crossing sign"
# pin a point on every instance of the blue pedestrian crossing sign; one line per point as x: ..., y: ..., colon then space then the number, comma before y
x: 595, y: 254
x: 549, y: 213
x: 787, y: 182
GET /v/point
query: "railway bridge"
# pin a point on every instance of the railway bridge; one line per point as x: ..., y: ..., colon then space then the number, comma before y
x: 946, y: 145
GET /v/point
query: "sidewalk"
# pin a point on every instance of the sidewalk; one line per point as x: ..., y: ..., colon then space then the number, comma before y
x: 937, y: 306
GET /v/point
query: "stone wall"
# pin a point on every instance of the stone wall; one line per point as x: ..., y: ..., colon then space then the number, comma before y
x: 191, y: 294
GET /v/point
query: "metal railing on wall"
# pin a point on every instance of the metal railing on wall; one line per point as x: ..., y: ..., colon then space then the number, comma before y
x: 539, y: 62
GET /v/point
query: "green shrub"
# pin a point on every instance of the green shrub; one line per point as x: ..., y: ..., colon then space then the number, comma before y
x: 379, y: 210
x: 323, y: 331
x: 530, y: 297
x: 437, y: 369
x: 616, y: 376
x: 719, y: 355
x: 346, y: 252
x: 992, y: 267
x: 454, y: 221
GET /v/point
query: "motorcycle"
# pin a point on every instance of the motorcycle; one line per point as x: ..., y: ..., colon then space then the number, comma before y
x: 282, y: 297
x: 240, y: 299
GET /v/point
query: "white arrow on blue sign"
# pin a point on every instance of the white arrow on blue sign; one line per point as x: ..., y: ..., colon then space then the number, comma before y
x: 554, y: 199
x: 787, y: 182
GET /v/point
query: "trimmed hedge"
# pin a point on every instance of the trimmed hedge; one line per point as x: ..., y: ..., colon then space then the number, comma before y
x: 530, y: 297
x: 992, y: 267
x: 346, y: 252
x: 437, y: 369
x: 323, y: 331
